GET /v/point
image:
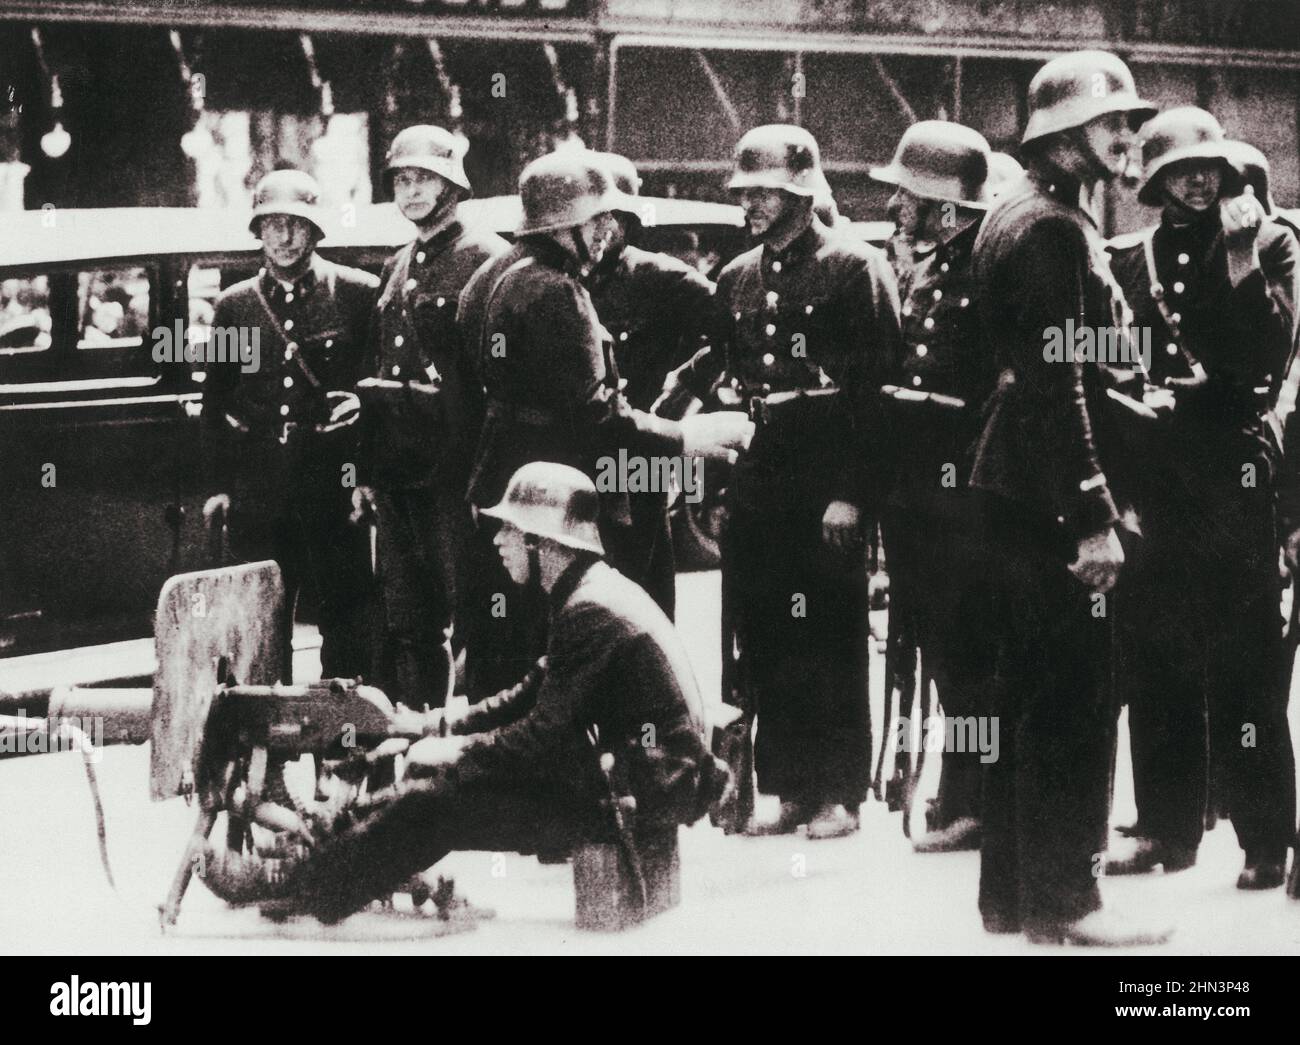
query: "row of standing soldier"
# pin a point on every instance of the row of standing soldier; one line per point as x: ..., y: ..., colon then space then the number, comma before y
x: 937, y: 418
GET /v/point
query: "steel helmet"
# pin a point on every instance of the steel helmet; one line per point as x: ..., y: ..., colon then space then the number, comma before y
x: 1004, y: 171
x: 628, y: 182
x: 287, y: 192
x: 1255, y: 169
x: 561, y: 190
x: 940, y: 160
x: 431, y: 149
x: 552, y: 500
x: 1184, y: 133
x: 779, y: 156
x: 1076, y: 88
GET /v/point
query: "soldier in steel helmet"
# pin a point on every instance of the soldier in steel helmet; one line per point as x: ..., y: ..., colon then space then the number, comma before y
x: 656, y: 308
x: 517, y: 772
x: 1216, y: 283
x: 807, y: 330
x: 936, y: 397
x: 551, y: 381
x: 422, y: 408
x: 1050, y: 515
x: 280, y: 441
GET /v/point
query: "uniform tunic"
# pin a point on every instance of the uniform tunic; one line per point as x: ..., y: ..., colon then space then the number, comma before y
x: 264, y: 442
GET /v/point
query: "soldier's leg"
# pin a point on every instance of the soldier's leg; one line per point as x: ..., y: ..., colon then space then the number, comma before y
x: 1249, y: 709
x: 378, y: 856
x: 1064, y: 738
x: 417, y: 614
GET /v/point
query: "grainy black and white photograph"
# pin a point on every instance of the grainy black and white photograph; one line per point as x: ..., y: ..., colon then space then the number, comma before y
x: 584, y: 477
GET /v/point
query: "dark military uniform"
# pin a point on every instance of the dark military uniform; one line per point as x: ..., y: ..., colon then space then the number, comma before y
x: 655, y: 309
x: 1203, y: 591
x: 269, y: 441
x: 1038, y: 261
x: 809, y: 333
x: 417, y: 451
x: 938, y: 588
x: 551, y: 396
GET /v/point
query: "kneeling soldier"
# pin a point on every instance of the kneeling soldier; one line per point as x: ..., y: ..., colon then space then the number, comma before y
x: 519, y: 772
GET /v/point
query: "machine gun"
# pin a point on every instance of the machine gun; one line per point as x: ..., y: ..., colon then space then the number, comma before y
x: 223, y: 729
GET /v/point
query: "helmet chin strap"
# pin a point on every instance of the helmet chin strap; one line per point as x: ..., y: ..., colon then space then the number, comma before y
x: 580, y: 247
x: 534, y: 582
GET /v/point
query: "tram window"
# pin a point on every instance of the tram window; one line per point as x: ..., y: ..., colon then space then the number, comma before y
x: 24, y: 315
x: 112, y: 308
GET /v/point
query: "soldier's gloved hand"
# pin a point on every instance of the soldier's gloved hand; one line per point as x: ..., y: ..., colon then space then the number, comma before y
x: 1099, y: 560
x: 841, y: 525
x: 1161, y: 400
x: 717, y: 437
x: 217, y: 502
x: 430, y: 754
x: 407, y: 722
x: 1242, y: 217
x: 363, y: 502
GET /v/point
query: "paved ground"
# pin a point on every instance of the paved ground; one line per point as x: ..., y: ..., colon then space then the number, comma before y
x: 864, y: 894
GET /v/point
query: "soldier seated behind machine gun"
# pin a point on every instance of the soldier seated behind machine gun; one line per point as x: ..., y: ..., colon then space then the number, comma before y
x: 516, y: 772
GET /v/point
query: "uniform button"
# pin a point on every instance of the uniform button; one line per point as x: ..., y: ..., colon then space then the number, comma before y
x: 441, y: 302
x: 288, y: 382
x: 807, y: 310
x: 907, y: 310
x: 770, y: 329
x: 943, y: 267
x: 284, y: 409
x: 411, y: 283
x: 769, y: 359
x: 288, y: 324
x: 965, y: 302
x: 1171, y: 348
x: 916, y: 380
x: 420, y: 257
x: 288, y: 297
x: 329, y: 342
x: 261, y: 272
x: 772, y: 297
x: 1179, y: 288
x: 399, y: 341
x: 1183, y: 259
x: 921, y: 350
x: 776, y: 266
x: 737, y: 315
x: 397, y: 371
x: 938, y: 295
x: 929, y: 323
x: 288, y: 355
x: 1177, y: 317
